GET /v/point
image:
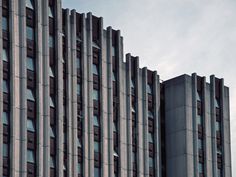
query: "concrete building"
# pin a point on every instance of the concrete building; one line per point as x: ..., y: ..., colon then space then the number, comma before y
x: 72, y: 105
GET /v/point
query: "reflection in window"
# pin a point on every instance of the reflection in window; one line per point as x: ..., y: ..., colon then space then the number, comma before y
x: 4, y: 55
x: 5, y: 120
x: 150, y: 114
x: 51, y: 72
x: 5, y: 87
x: 78, y: 89
x: 4, y: 24
x: 51, y: 41
x: 30, y: 95
x: 96, y: 172
x: 79, y: 168
x: 150, y: 137
x: 200, y: 167
x: 79, y: 143
x: 52, y: 134
x: 151, y: 162
x: 52, y: 162
x: 95, y: 121
x: 198, y: 97
x: 95, y: 69
x: 96, y: 146
x: 132, y: 84
x: 29, y: 4
x: 30, y: 125
x: 217, y: 126
x: 217, y: 104
x: 52, y: 102
x: 5, y: 150
x: 30, y: 33
x: 113, y: 77
x: 30, y: 156
x: 149, y: 89
x: 78, y: 63
x: 114, y: 127
x: 200, y: 144
x: 51, y: 12
x: 30, y: 64
x: 95, y: 94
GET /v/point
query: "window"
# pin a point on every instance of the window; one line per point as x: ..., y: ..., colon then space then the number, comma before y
x: 200, y: 167
x: 30, y: 33
x: 113, y: 51
x: 79, y: 143
x: 149, y: 89
x: 95, y: 121
x: 133, y: 109
x: 78, y: 63
x: 4, y: 24
x: 115, y: 154
x: 96, y: 146
x: 199, y: 120
x: 217, y: 126
x: 133, y: 157
x: 5, y: 150
x: 30, y: 95
x: 30, y: 125
x: 114, y: 127
x: 51, y: 41
x: 29, y: 4
x: 219, y: 172
x: 30, y: 63
x: 132, y: 84
x: 30, y: 156
x: 79, y: 168
x: 52, y: 134
x: 200, y: 144
x: 113, y: 77
x: 52, y: 102
x: 78, y: 89
x: 5, y: 120
x: 4, y: 55
x: 95, y: 94
x: 96, y: 172
x: 217, y: 104
x: 51, y: 72
x: 95, y: 69
x: 198, y: 97
x: 51, y: 12
x: 151, y: 162
x: 150, y: 137
x: 5, y: 87
x: 52, y: 162
x: 150, y: 114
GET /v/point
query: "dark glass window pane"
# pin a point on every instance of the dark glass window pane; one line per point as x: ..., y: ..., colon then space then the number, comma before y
x: 30, y: 33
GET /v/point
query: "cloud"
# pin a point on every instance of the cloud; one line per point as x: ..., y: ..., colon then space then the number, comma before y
x: 176, y: 37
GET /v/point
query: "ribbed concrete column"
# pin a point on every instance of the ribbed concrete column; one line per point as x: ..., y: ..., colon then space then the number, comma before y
x: 23, y: 87
x: 1, y: 94
x: 86, y: 72
x: 45, y: 75
x: 145, y: 123
x: 108, y: 141
x: 122, y: 90
x: 129, y: 115
x: 90, y: 145
x: 213, y: 121
x: 139, y: 112
x: 157, y: 112
x: 39, y: 88
x: 69, y: 93
x: 104, y: 102
x: 194, y: 124
x: 73, y: 90
x: 226, y: 130
x: 14, y: 89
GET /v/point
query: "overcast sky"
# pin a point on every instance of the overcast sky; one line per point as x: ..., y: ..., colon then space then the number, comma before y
x: 176, y: 37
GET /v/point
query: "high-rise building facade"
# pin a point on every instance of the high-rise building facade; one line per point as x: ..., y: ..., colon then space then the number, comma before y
x: 70, y: 106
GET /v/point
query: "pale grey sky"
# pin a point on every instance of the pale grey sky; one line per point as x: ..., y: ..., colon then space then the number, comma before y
x: 176, y: 37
